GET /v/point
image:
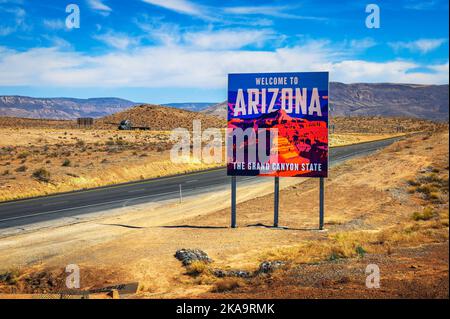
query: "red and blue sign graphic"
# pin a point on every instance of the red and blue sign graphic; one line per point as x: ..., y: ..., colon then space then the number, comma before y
x: 293, y: 106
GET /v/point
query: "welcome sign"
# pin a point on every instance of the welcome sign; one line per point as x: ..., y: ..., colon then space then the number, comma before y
x: 278, y: 124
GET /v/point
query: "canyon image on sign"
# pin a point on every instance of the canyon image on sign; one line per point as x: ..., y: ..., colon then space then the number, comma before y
x: 278, y: 124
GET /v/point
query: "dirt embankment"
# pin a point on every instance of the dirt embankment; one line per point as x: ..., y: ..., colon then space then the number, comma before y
x: 19, y: 123
x: 156, y: 117
x: 390, y: 208
x: 160, y: 118
x: 378, y: 124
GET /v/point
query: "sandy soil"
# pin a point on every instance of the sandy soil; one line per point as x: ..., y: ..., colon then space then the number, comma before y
x: 417, y: 272
x: 84, y: 158
x: 77, y: 159
x: 368, y: 195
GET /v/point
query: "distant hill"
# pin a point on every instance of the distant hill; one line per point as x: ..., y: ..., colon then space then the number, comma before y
x: 60, y: 108
x: 159, y: 117
x: 190, y: 106
x: 219, y: 110
x: 379, y: 99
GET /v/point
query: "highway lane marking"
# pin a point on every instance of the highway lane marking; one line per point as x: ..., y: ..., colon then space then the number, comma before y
x: 55, y: 203
x: 103, y: 203
x: 84, y: 206
x: 137, y: 190
x: 181, y: 176
x: 155, y: 180
x: 161, y: 194
x: 192, y: 181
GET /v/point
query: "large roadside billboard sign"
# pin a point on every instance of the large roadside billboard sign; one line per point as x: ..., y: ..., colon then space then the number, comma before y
x: 278, y: 124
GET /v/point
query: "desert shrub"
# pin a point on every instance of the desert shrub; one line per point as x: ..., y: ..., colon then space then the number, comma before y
x: 427, y: 214
x: 360, y: 251
x: 227, y: 284
x: 434, y: 196
x: 41, y: 175
x: 197, y: 268
x: 120, y: 141
x: 432, y: 178
x: 21, y: 168
x: 411, y: 190
x: 81, y: 143
x: 23, y: 155
x: 337, y: 253
x: 413, y: 182
x: 10, y: 277
x: 425, y: 189
x: 66, y: 162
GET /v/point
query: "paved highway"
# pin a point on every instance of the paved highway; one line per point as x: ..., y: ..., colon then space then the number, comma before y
x: 41, y: 209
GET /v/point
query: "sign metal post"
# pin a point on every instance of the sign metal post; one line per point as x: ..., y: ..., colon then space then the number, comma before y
x: 321, y: 203
x: 276, y: 201
x: 233, y: 201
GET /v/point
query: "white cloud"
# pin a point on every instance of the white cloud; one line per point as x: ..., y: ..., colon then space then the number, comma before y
x: 362, y: 44
x: 231, y: 38
x: 54, y: 24
x: 58, y: 42
x: 4, y: 31
x: 159, y: 31
x: 180, y: 6
x: 420, y: 4
x: 99, y: 6
x: 227, y: 39
x: 272, y: 11
x: 16, y: 19
x: 116, y: 40
x: 422, y: 45
x: 184, y: 66
x: 442, y: 68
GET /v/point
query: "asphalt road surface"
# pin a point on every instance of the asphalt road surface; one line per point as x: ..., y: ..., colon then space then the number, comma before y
x: 41, y: 209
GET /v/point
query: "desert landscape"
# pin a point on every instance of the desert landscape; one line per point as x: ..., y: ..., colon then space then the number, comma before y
x: 255, y: 260
x: 41, y: 157
x: 212, y: 158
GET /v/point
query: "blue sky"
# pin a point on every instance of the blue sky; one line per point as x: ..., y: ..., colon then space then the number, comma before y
x: 162, y: 51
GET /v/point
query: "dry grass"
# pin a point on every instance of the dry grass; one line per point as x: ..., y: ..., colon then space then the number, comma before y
x: 227, y: 284
x: 427, y: 214
x: 81, y: 158
x: 77, y: 159
x: 368, y: 211
x: 84, y: 158
x: 160, y: 118
x: 374, y: 124
x: 341, y: 139
x: 197, y: 268
x: 427, y: 226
